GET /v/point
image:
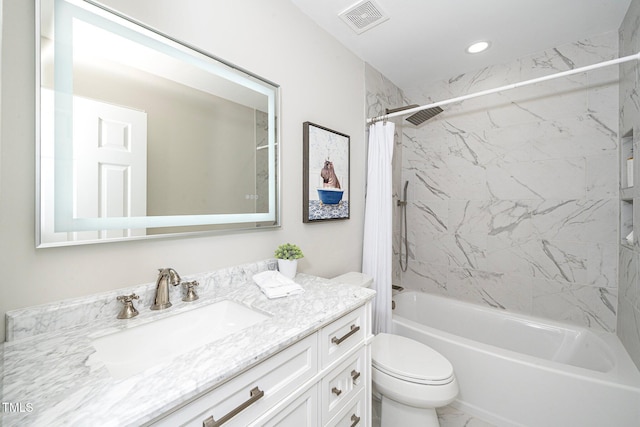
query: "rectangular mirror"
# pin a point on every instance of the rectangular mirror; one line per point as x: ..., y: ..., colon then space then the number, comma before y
x: 140, y: 135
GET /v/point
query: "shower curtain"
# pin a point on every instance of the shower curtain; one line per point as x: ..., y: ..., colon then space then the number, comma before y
x: 377, y: 251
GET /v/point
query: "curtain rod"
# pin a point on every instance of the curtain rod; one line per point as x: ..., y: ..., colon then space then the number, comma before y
x: 506, y: 87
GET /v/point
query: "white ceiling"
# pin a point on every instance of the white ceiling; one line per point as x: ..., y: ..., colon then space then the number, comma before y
x: 425, y: 40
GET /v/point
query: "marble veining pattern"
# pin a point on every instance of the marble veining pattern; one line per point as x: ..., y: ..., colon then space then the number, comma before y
x: 51, y: 370
x: 29, y: 321
x: 628, y: 324
x: 450, y: 416
x: 513, y: 198
x: 533, y: 165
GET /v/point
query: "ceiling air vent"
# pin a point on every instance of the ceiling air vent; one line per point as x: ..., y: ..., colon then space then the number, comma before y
x: 363, y: 16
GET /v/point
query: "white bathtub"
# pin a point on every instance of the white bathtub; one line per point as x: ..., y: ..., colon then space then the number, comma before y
x: 516, y: 370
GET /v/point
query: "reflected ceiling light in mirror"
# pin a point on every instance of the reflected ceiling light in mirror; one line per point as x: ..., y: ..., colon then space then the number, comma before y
x: 478, y: 47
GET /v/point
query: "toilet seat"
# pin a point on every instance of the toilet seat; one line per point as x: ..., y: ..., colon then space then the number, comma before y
x: 409, y: 360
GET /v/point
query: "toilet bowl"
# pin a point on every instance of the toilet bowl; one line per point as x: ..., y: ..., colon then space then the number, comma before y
x: 411, y: 379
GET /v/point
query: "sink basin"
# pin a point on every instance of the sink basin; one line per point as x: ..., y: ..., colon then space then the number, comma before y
x: 130, y: 351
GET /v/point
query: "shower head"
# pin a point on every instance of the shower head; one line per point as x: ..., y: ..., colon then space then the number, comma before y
x: 419, y: 117
x: 423, y: 115
x: 395, y: 110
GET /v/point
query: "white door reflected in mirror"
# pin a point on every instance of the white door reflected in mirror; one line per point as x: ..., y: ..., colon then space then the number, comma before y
x: 208, y: 124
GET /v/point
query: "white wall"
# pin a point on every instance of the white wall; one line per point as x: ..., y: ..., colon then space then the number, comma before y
x: 320, y: 81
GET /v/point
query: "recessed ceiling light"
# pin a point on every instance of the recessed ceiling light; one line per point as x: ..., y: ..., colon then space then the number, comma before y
x: 478, y: 47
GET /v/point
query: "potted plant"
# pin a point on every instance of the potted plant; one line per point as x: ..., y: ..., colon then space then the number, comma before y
x: 288, y: 255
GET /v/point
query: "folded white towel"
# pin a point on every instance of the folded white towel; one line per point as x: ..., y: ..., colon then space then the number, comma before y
x: 275, y: 285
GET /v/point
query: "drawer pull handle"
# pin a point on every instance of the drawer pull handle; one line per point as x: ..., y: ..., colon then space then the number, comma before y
x: 337, y: 391
x: 354, y: 420
x: 355, y: 375
x: 337, y: 341
x: 255, y: 394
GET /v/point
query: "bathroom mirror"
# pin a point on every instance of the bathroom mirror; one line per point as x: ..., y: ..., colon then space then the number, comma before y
x: 140, y: 135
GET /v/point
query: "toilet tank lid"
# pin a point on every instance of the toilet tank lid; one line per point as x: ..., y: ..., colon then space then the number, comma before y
x: 355, y: 278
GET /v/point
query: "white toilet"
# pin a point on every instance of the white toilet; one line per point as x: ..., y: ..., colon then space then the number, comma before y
x: 411, y: 378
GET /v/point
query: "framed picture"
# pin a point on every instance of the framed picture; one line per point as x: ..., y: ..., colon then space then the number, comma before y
x: 326, y: 174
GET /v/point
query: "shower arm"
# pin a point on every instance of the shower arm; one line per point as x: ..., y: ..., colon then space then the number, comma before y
x: 616, y: 61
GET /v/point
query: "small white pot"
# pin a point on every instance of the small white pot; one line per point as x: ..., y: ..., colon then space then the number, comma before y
x: 288, y: 267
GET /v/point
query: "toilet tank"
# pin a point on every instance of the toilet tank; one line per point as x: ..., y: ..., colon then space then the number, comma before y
x: 354, y: 278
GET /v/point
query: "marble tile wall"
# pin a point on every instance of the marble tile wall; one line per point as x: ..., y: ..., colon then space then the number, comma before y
x: 514, y: 196
x: 628, y: 327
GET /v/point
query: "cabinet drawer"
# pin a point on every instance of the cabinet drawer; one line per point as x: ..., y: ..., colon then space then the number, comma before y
x: 302, y: 412
x: 354, y: 413
x: 252, y: 393
x: 337, y: 338
x: 340, y: 385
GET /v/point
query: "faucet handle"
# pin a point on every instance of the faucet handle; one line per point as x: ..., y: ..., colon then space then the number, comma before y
x: 191, y: 292
x: 128, y: 311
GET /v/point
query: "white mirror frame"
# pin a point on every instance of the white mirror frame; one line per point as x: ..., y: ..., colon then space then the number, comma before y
x: 103, y: 17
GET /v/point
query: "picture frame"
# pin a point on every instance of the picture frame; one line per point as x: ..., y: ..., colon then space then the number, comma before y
x: 326, y: 174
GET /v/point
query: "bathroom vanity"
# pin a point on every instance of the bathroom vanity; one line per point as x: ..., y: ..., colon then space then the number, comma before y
x: 305, y: 360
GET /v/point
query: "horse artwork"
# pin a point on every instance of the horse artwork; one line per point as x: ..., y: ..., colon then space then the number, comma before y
x: 326, y: 174
x: 331, y: 193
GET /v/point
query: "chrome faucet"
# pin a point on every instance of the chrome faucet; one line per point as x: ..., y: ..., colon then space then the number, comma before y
x: 166, y: 277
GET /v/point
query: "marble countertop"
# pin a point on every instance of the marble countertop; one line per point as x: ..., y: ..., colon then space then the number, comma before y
x: 50, y: 378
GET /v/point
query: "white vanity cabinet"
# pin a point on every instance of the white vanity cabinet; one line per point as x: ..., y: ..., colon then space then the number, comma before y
x: 305, y: 364
x: 321, y: 380
x: 303, y: 411
x: 346, y: 364
x: 253, y: 392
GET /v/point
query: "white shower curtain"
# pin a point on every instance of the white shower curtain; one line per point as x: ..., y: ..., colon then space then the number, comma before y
x: 377, y: 251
